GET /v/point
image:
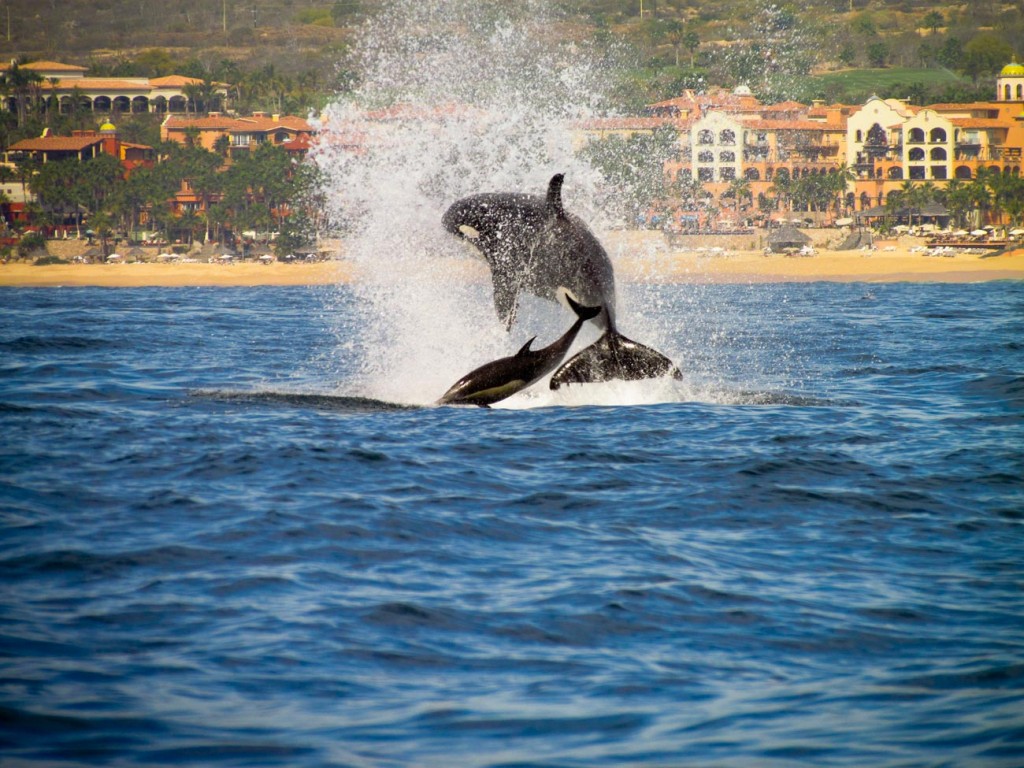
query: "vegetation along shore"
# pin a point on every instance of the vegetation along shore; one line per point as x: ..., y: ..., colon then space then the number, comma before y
x: 162, y: 134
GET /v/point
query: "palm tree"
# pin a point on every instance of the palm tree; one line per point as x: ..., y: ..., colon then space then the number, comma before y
x: 20, y: 83
x: 1014, y: 202
x: 191, y: 92
x: 782, y: 190
x: 738, y: 191
x: 691, y: 41
x: 980, y: 195
x: 675, y: 33
x: 838, y: 181
x: 956, y: 196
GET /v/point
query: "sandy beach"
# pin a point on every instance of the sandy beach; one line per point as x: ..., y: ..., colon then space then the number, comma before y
x: 638, y: 256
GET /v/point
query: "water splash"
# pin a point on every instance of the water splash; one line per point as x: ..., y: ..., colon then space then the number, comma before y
x: 455, y: 98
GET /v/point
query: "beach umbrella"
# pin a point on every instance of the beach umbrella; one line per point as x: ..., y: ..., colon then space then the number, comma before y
x: 979, y: 232
x: 114, y: 257
x: 1016, y: 232
x: 960, y: 232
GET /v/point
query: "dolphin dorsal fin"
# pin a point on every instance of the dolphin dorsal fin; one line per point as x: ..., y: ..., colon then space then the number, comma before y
x: 555, y: 196
x: 526, y: 347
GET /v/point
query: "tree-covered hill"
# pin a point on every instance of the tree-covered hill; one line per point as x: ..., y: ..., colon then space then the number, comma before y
x: 780, y: 49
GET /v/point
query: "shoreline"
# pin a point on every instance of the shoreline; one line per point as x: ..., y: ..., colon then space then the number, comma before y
x: 637, y: 256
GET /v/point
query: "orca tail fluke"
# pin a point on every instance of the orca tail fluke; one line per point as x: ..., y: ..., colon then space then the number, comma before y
x: 611, y: 357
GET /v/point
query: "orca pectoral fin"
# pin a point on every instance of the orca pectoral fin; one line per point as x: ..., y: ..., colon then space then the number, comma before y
x: 506, y: 302
x: 611, y: 357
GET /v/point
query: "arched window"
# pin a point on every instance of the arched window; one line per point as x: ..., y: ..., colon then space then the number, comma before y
x: 916, y: 154
x: 938, y: 153
x: 1007, y: 92
x: 727, y: 157
x: 895, y: 172
x: 706, y: 157
x: 865, y: 200
x: 101, y: 104
x: 122, y: 104
x: 937, y: 136
x: 858, y: 136
x: 705, y: 137
x: 782, y: 174
x: 916, y: 136
x: 963, y: 172
x: 752, y: 174
x: 1020, y: 92
x: 727, y: 137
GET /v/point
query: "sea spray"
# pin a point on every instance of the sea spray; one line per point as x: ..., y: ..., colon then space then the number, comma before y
x: 453, y: 99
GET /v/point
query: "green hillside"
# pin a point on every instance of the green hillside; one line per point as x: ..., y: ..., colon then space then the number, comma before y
x: 290, y: 53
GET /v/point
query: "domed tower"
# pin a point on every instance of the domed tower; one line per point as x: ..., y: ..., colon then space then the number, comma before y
x: 1010, y: 82
x: 111, y: 146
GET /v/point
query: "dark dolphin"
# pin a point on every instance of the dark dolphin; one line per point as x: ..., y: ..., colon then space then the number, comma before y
x: 532, y: 244
x: 503, y: 378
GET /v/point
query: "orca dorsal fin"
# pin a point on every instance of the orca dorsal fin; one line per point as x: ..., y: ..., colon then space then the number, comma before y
x: 555, y: 196
x: 526, y: 347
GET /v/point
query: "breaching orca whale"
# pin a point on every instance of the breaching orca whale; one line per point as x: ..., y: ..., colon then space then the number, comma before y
x: 532, y: 244
x: 503, y: 378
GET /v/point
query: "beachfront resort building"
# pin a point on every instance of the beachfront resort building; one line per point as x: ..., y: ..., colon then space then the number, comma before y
x: 289, y: 132
x: 730, y: 138
x: 65, y: 87
x: 80, y: 146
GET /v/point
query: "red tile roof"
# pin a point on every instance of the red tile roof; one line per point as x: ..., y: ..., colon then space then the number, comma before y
x: 55, y: 144
x: 792, y: 125
x: 301, y: 143
x: 627, y: 123
x: 97, y: 84
x: 955, y: 107
x: 238, y: 124
x: 978, y: 122
x: 175, y: 81
x: 50, y: 66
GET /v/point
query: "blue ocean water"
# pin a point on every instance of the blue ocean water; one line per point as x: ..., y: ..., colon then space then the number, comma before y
x: 212, y: 553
